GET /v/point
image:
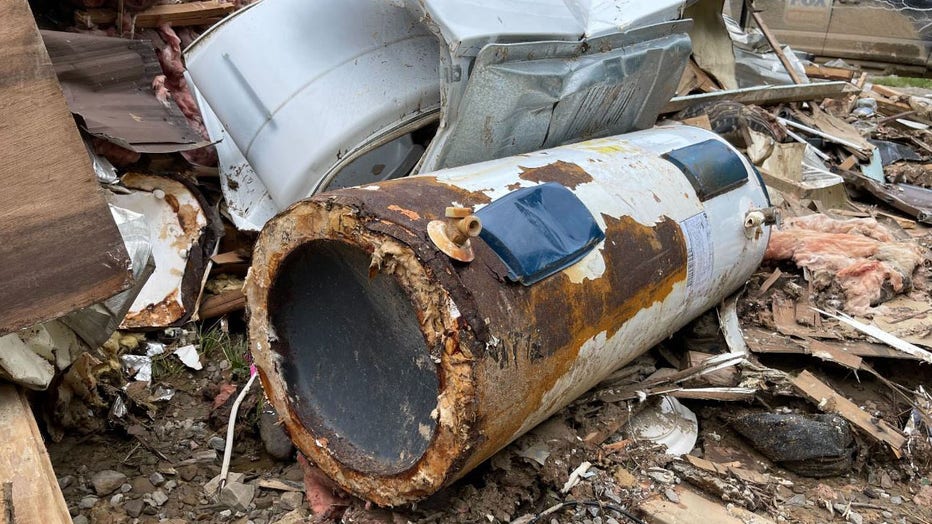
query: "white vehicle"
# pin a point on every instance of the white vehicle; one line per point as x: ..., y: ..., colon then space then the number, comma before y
x: 310, y: 96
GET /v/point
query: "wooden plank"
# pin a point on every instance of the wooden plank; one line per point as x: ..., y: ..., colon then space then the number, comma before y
x: 829, y: 73
x: 226, y: 302
x: 724, y: 377
x: 766, y: 95
x: 192, y: 13
x: 59, y: 247
x: 25, y: 466
x: 93, y: 17
x: 771, y: 280
x: 832, y: 353
x: 706, y: 84
x: 887, y: 92
x: 699, y: 121
x: 852, y: 100
x: 688, y: 81
x: 772, y: 40
x: 830, y: 401
x: 188, y: 14
x: 848, y: 163
x: 230, y: 257
x: 722, y: 394
x: 761, y: 341
x: 888, y: 106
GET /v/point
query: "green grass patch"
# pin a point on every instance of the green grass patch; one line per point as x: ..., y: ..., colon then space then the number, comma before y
x: 903, y: 81
x: 166, y: 366
x: 215, y: 344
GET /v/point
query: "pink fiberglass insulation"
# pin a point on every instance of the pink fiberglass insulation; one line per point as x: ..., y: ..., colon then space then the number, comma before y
x: 859, y: 255
x: 173, y: 85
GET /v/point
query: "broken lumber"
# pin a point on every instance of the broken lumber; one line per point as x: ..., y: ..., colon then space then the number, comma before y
x: 881, y: 335
x: 31, y: 492
x: 694, y: 77
x: 765, y: 95
x: 61, y: 249
x: 887, y: 92
x: 217, y: 305
x: 830, y: 401
x: 772, y: 40
x: 192, y: 13
x: 834, y: 354
x: 93, y: 17
x: 761, y: 341
x: 829, y: 73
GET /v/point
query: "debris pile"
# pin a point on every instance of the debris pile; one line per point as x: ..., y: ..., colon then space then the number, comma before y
x: 131, y: 257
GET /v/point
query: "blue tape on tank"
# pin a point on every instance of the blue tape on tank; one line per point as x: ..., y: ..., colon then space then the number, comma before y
x: 538, y: 231
x: 711, y: 167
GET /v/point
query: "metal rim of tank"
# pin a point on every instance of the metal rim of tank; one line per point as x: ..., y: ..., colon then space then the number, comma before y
x: 425, y: 468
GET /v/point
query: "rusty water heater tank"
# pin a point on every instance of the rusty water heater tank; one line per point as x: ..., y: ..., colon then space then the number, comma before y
x: 398, y: 369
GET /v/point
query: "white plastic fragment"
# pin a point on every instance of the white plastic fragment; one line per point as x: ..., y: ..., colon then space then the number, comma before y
x: 731, y: 326
x: 669, y: 423
x: 575, y: 476
x: 22, y: 365
x: 189, y: 357
x: 118, y: 409
x: 881, y: 335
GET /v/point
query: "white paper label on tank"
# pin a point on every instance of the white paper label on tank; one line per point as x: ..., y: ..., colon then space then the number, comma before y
x: 698, y: 234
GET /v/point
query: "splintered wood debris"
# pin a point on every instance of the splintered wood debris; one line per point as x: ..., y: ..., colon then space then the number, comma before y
x: 831, y: 402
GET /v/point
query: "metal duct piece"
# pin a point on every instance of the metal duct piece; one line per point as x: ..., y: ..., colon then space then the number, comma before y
x: 398, y: 369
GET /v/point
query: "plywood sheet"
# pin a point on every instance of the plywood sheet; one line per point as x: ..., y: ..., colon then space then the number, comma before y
x: 30, y: 490
x: 59, y: 247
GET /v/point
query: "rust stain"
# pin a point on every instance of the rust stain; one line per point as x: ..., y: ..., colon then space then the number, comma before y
x: 513, y: 187
x: 428, y: 196
x: 187, y: 218
x: 413, y: 215
x: 172, y: 201
x: 163, y: 313
x: 643, y: 263
x: 566, y: 173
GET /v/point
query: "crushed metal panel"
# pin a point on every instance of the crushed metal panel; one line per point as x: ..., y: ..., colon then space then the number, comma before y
x: 332, y: 82
x: 712, y: 47
x: 247, y: 200
x: 567, y: 91
x: 464, y: 27
x: 913, y: 200
x: 108, y: 83
x: 471, y: 24
x: 177, y: 222
x: 59, y: 247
